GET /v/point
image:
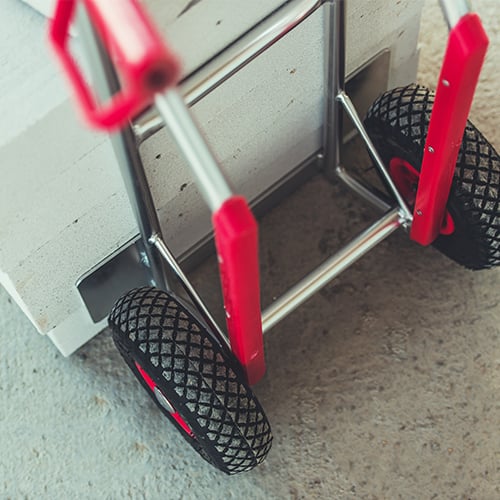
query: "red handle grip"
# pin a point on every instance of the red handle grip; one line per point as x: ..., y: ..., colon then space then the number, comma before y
x: 143, y: 62
x: 464, y: 56
x: 237, y: 247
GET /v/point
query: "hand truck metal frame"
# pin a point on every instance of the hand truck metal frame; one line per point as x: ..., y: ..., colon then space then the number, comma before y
x: 456, y: 86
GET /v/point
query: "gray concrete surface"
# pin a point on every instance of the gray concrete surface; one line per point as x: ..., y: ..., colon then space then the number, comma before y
x: 384, y: 385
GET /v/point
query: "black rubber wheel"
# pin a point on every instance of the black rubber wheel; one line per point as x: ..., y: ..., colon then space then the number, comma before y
x: 195, y: 382
x: 397, y: 123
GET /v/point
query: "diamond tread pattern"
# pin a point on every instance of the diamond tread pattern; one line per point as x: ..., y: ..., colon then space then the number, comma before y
x: 196, y: 375
x: 405, y: 112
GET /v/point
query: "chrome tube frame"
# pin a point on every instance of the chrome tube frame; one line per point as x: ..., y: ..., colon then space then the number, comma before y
x: 365, y: 191
x: 454, y: 10
x: 331, y: 268
x: 126, y: 150
x: 336, y: 100
x: 210, y: 180
x: 127, y: 154
x: 236, y: 57
x: 334, y: 82
x: 348, y: 106
x: 169, y: 257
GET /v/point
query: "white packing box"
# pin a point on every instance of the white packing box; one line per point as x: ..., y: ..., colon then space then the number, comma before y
x: 62, y: 203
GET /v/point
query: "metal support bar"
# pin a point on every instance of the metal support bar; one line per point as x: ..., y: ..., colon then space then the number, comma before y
x: 379, y: 164
x: 124, y: 144
x: 331, y: 268
x: 454, y: 10
x: 253, y: 43
x: 190, y: 290
x: 211, y: 182
x: 366, y: 192
x: 334, y: 82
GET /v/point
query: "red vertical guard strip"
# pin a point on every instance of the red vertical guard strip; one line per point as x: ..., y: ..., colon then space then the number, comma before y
x: 143, y: 62
x: 237, y: 247
x: 467, y: 44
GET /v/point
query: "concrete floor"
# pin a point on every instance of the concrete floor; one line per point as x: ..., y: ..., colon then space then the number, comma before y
x: 384, y: 385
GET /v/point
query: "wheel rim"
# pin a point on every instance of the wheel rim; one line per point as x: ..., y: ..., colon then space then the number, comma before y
x: 164, y: 401
x: 406, y: 178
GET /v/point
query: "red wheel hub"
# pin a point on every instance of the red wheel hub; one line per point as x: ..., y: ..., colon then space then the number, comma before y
x: 162, y: 399
x: 406, y: 178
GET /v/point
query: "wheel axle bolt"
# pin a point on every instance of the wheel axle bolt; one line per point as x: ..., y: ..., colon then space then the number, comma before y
x: 163, y: 400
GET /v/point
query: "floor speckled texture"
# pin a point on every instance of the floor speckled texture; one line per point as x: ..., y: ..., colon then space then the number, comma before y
x: 384, y: 385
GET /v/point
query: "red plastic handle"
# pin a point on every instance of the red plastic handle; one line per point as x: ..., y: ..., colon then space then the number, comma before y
x: 465, y: 53
x: 237, y: 248
x: 142, y: 60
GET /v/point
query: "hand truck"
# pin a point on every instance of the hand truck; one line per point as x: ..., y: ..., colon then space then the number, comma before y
x: 442, y: 179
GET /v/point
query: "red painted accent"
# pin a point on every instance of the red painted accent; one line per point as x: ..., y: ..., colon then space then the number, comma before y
x: 145, y: 65
x: 467, y: 44
x: 176, y: 416
x: 237, y: 247
x: 406, y: 177
x: 145, y: 376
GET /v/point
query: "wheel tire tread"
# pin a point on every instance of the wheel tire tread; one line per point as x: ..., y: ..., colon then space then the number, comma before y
x: 228, y: 419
